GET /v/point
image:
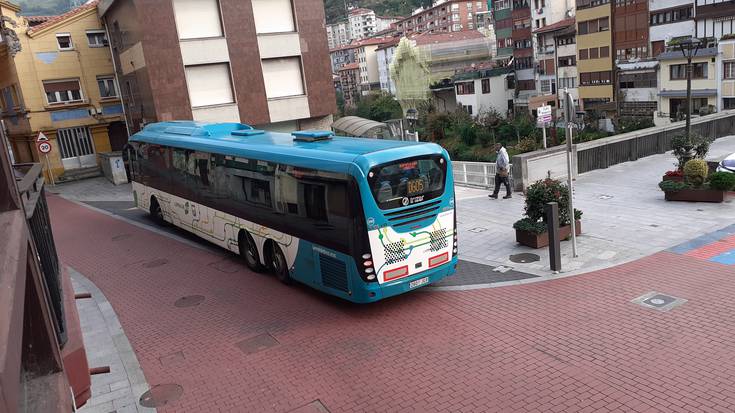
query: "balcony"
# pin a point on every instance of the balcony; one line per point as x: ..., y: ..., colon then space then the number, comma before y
x: 41, y: 358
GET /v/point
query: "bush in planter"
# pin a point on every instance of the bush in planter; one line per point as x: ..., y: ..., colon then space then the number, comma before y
x: 722, y: 181
x: 676, y: 173
x: 673, y: 186
x: 695, y: 171
x: 537, y: 196
x: 686, y: 148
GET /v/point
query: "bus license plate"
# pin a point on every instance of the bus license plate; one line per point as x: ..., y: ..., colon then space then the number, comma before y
x: 419, y: 282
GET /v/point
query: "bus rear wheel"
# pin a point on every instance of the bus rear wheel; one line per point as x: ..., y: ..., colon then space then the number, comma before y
x: 278, y: 263
x: 156, y: 212
x: 249, y: 251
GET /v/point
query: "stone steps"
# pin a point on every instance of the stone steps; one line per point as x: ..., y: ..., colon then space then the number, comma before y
x: 79, y: 174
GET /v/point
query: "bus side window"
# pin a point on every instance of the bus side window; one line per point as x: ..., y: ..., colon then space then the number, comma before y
x: 315, y: 200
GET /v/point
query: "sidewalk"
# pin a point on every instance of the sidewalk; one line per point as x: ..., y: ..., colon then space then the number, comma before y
x: 625, y: 218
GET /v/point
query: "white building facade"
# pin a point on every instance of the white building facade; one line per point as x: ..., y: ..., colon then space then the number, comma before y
x: 484, y: 90
x: 384, y: 55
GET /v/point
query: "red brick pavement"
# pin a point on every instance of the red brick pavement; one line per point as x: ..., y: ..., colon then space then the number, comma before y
x: 574, y: 344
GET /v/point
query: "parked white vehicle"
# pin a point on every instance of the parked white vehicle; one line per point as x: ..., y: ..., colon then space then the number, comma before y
x: 727, y: 164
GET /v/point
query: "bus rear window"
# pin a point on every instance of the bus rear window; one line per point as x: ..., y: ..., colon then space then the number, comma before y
x: 408, y: 182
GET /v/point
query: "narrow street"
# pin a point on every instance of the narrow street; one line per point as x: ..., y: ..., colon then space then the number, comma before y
x: 240, y: 341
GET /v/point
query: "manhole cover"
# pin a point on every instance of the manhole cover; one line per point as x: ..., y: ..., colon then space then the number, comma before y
x: 606, y: 197
x: 478, y: 229
x: 658, y: 301
x: 189, y: 301
x: 161, y: 395
x: 156, y: 263
x: 524, y: 258
x: 257, y: 343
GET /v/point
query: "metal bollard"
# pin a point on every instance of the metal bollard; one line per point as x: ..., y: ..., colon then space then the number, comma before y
x: 552, y: 224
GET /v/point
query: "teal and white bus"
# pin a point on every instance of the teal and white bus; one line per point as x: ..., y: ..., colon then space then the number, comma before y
x: 361, y: 219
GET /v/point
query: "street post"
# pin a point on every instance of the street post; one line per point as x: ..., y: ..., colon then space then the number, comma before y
x: 570, y: 115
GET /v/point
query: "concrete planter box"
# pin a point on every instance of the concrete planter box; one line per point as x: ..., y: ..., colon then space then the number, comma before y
x: 696, y: 195
x: 534, y: 240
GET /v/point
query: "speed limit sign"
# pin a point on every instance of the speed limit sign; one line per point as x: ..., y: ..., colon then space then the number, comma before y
x: 44, y: 147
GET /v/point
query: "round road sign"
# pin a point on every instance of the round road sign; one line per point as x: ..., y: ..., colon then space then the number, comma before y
x: 44, y: 147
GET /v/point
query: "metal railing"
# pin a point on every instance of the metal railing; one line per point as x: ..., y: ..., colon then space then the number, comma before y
x: 606, y: 152
x: 32, y: 192
x: 477, y: 174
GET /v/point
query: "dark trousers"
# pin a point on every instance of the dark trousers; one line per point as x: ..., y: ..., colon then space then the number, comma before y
x: 501, y: 180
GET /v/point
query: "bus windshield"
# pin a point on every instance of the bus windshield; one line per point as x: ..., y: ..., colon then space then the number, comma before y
x: 408, y: 181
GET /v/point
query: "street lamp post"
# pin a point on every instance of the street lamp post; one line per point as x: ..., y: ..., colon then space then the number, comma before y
x: 689, y: 47
x: 412, y: 116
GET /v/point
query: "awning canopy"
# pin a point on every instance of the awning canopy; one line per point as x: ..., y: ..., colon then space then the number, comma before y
x: 360, y: 127
x: 696, y: 93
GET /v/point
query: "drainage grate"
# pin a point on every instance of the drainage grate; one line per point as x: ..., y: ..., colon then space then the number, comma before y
x: 189, y: 301
x: 155, y: 263
x: 524, y: 258
x: 258, y: 343
x: 161, y: 395
x: 658, y: 301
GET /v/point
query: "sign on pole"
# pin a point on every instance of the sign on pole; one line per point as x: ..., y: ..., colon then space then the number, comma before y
x: 44, y: 147
x: 544, y: 118
x: 544, y: 114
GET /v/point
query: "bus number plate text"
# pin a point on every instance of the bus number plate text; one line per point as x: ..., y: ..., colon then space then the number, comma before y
x: 419, y: 282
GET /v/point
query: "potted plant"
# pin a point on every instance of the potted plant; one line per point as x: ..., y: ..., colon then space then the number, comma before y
x: 531, y: 230
x: 685, y: 148
x: 696, y: 187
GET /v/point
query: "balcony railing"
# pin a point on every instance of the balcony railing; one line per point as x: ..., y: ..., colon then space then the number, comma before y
x: 32, y: 191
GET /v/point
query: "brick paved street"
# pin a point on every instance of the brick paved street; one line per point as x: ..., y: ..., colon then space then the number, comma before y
x: 574, y: 344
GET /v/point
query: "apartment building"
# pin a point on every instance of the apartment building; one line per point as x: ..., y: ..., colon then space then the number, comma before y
x: 367, y: 58
x: 669, y: 18
x: 523, y: 56
x: 260, y: 62
x: 341, y: 56
x: 338, y: 34
x: 556, y: 59
x: 57, y: 79
x: 385, y: 54
x: 595, y: 54
x: 480, y: 89
x: 673, y: 81
x: 349, y: 79
x: 714, y: 18
x: 449, y: 16
x: 547, y: 12
x: 726, y: 87
x: 503, y: 22
x: 364, y: 23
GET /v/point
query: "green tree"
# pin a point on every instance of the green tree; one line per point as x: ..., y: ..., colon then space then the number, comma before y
x: 379, y: 107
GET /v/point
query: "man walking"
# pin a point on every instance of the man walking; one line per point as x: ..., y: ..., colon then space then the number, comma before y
x: 501, y: 176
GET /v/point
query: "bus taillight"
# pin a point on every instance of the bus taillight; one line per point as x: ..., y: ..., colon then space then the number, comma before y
x: 395, y: 273
x: 438, y: 260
